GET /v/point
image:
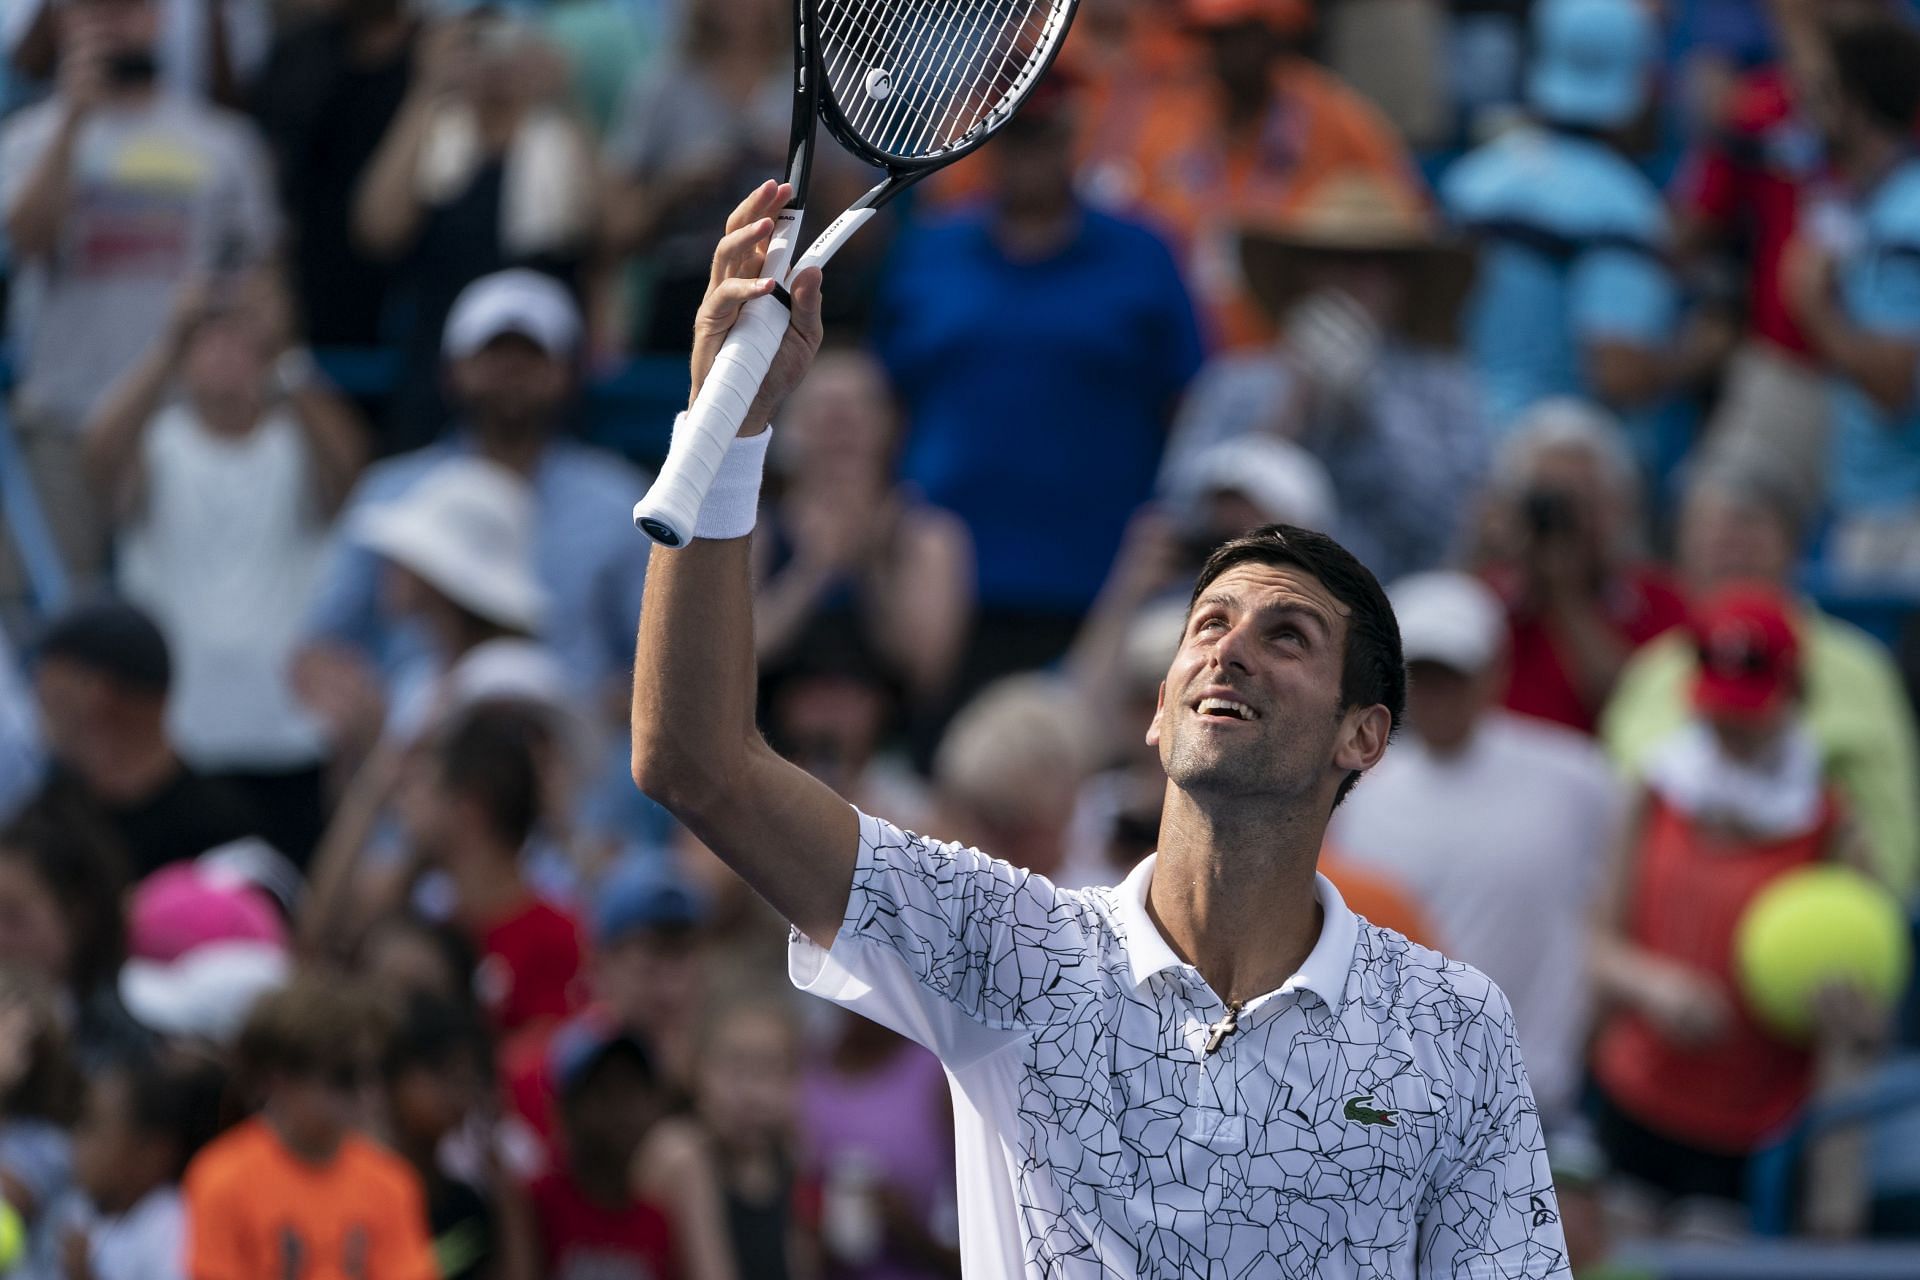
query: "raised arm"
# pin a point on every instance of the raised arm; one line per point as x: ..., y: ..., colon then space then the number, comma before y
x: 695, y: 747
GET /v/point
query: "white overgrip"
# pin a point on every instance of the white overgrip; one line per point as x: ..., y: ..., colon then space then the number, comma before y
x: 672, y: 504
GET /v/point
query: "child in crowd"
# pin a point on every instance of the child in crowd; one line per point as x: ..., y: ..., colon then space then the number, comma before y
x: 591, y: 1222
x: 471, y: 819
x: 38, y: 1092
x: 140, y: 1124
x: 296, y: 1190
x: 727, y: 1173
x: 438, y: 1067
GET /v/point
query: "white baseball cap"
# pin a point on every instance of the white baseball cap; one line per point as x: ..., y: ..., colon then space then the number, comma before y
x: 467, y: 529
x: 1450, y: 618
x: 1288, y: 484
x: 533, y: 305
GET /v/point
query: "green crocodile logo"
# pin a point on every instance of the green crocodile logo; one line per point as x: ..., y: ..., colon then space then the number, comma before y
x: 1361, y: 1110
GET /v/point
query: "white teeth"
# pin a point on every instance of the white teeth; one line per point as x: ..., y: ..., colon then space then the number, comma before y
x: 1228, y: 705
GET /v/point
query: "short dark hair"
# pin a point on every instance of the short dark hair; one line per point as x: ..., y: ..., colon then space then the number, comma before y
x: 434, y: 1034
x: 177, y: 1103
x: 62, y: 840
x: 114, y: 639
x: 491, y: 754
x: 1876, y: 65
x: 1373, y: 671
x: 312, y: 1025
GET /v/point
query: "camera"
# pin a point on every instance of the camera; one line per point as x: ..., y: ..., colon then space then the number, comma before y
x: 1549, y: 512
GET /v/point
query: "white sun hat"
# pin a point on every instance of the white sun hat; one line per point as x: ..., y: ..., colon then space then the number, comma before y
x: 467, y: 530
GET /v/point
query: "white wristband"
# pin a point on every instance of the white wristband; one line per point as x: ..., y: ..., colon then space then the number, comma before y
x: 733, y: 500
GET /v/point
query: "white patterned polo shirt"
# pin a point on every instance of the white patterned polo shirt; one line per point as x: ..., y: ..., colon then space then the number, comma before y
x: 1370, y: 1118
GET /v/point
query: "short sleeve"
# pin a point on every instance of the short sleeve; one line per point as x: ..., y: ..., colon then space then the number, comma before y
x: 407, y: 1251
x: 955, y: 950
x: 1492, y: 1211
x: 1623, y: 294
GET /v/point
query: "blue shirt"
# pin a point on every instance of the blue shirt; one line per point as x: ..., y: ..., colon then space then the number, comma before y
x: 1876, y: 454
x: 1038, y: 393
x: 1572, y: 244
x: 586, y: 554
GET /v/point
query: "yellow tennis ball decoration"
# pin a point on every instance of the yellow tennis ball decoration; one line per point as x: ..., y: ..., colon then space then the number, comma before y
x: 1812, y: 928
x: 13, y: 1237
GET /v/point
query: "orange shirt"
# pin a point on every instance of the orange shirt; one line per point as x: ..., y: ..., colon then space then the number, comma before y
x: 256, y: 1212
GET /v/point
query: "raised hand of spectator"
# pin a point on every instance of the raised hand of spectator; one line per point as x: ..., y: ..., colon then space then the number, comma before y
x: 1806, y: 276
x: 1333, y: 342
x: 445, y: 61
x: 1848, y: 1019
x: 82, y: 82
x: 76, y: 1255
x: 832, y: 538
x: 338, y: 687
x: 16, y: 1041
x: 1688, y: 1007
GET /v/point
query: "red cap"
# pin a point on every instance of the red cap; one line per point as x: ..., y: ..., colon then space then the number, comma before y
x: 1749, y: 653
x: 1281, y: 15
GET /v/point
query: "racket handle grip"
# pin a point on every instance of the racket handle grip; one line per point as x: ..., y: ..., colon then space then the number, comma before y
x: 672, y: 505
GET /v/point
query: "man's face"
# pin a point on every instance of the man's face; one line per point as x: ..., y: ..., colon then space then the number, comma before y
x: 116, y: 28
x: 1444, y: 704
x: 76, y: 710
x: 1725, y: 539
x: 1270, y: 640
x: 513, y: 382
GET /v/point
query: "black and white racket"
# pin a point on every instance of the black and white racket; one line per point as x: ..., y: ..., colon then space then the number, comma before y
x: 908, y: 86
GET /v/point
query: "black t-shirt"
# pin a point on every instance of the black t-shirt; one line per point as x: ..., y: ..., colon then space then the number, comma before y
x: 324, y: 115
x: 464, y: 1235
x: 182, y: 820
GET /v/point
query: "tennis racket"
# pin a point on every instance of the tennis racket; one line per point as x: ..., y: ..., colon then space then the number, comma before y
x: 908, y: 86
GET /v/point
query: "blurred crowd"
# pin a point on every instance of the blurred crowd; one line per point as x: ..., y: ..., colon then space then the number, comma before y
x: 334, y: 936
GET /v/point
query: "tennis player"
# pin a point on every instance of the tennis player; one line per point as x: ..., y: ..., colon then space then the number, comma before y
x: 1215, y: 1069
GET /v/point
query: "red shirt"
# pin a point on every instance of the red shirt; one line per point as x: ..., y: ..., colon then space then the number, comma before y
x: 1746, y: 183
x: 583, y: 1240
x: 1688, y: 894
x: 1639, y: 604
x: 530, y: 965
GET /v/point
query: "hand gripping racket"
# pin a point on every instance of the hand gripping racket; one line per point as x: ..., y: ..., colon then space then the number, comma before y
x: 908, y: 86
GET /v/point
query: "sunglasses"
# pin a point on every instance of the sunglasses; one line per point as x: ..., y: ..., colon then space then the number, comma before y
x: 1740, y: 660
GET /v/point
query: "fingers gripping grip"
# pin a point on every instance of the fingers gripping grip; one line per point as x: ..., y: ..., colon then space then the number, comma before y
x: 669, y: 511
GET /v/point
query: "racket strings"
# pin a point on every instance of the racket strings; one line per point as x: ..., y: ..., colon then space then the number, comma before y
x: 914, y: 80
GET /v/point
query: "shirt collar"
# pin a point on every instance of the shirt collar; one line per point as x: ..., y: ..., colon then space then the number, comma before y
x: 1324, y: 972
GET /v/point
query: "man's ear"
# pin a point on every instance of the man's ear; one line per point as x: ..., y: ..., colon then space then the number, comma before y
x: 1159, y: 708
x: 1363, y: 738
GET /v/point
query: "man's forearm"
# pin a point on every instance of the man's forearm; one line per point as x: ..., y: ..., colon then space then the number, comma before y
x: 1880, y: 366
x: 33, y: 222
x: 694, y: 677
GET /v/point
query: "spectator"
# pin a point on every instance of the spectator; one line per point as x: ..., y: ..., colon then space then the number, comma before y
x: 114, y: 194
x: 103, y: 676
x: 1740, y: 523
x: 39, y: 1090
x: 1559, y: 543
x: 405, y: 955
x: 20, y: 762
x: 727, y: 1174
x: 471, y: 818
x: 1363, y: 292
x: 1574, y: 297
x: 591, y: 1222
x: 296, y: 1188
x: 510, y: 345
x: 61, y: 881
x: 1040, y: 431
x: 436, y: 1069
x: 1009, y: 770
x: 202, y: 950
x: 482, y: 169
x: 1852, y: 283
x: 223, y: 496
x: 140, y: 1123
x: 1498, y: 825
x: 847, y: 545
x: 1741, y: 198
x: 193, y: 57
x: 332, y: 86
x: 1691, y: 1084
x: 875, y: 1123
x: 1254, y: 124
x: 708, y: 122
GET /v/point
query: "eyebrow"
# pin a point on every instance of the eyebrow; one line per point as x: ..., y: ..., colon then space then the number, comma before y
x: 1289, y: 608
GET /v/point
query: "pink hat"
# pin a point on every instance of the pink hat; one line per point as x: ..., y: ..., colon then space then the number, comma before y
x: 182, y: 907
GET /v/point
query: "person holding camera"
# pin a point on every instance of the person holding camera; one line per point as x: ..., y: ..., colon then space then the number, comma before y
x: 1559, y: 540
x: 114, y: 193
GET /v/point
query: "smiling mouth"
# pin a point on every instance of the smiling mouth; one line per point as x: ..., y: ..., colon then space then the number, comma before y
x: 1225, y: 709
